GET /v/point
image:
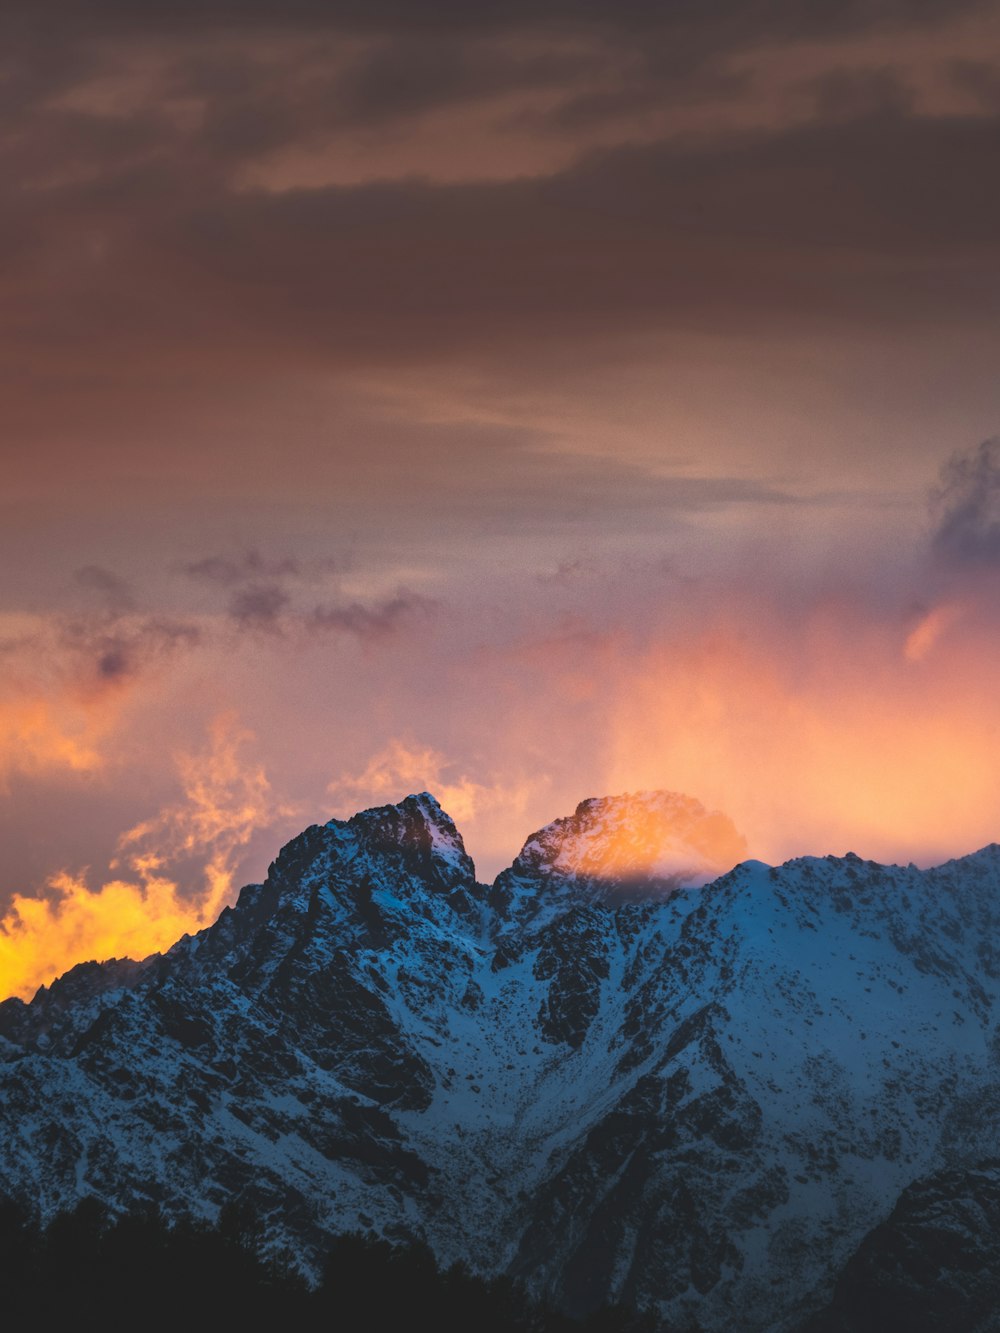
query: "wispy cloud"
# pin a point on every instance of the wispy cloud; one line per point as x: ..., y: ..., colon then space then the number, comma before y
x: 259, y: 606
x: 226, y: 799
x: 967, y: 505
x: 405, y: 765
x: 249, y: 566
x: 373, y: 621
x: 111, y: 651
x: 116, y: 593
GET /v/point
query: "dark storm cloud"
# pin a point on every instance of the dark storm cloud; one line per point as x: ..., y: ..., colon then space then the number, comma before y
x: 612, y: 60
x: 770, y: 17
x: 596, y: 62
x: 411, y: 59
x: 967, y: 505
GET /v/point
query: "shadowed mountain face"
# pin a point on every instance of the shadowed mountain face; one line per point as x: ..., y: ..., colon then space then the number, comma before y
x: 594, y: 1074
x: 933, y: 1264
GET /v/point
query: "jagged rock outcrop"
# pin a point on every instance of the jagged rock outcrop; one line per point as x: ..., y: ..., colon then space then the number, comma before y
x: 933, y: 1264
x: 600, y: 1074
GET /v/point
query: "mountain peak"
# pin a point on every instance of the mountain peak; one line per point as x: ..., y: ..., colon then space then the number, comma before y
x: 743, y: 1080
x: 637, y: 845
x: 420, y: 829
x: 638, y: 839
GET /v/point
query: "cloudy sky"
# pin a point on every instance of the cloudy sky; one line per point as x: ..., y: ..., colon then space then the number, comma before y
x: 525, y: 401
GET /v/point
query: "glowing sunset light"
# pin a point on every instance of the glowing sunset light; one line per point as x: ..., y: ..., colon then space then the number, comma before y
x: 642, y: 837
x: 41, y: 938
x: 824, y: 742
x: 225, y: 798
x: 535, y: 403
x: 926, y: 633
x: 33, y: 737
x: 836, y: 730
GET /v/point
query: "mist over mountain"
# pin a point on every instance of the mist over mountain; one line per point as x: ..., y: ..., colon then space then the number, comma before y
x: 624, y: 1071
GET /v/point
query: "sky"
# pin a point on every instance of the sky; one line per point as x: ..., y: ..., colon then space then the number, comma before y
x: 523, y: 402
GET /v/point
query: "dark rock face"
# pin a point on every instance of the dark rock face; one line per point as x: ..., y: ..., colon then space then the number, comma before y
x: 933, y: 1264
x: 573, y: 958
x: 700, y: 1098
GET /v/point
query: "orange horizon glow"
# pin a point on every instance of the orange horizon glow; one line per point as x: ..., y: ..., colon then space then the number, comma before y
x: 842, y: 731
x: 225, y: 800
x: 854, y: 736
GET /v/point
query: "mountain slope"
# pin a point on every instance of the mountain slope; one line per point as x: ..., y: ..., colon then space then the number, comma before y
x: 933, y: 1264
x: 589, y: 1075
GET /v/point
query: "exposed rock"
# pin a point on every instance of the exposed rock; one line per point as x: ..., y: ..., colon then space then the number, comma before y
x: 600, y: 1074
x: 933, y: 1264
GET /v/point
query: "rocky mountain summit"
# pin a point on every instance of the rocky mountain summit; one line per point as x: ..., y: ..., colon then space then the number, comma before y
x: 724, y: 1100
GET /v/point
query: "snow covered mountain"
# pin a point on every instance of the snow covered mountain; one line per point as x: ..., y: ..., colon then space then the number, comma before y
x: 600, y: 1074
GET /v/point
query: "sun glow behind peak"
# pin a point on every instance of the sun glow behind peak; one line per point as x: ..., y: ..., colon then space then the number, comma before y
x: 843, y: 735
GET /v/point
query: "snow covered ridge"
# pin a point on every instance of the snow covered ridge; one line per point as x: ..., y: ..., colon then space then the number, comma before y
x: 589, y: 1074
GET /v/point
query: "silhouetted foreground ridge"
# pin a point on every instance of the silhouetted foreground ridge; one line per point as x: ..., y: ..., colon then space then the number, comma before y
x: 140, y: 1271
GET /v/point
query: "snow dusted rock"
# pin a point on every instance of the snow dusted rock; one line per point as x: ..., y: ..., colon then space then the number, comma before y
x: 933, y: 1264
x: 640, y: 846
x: 600, y: 1074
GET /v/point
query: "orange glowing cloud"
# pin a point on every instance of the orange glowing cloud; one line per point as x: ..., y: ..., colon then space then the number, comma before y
x: 40, y: 938
x: 33, y: 736
x: 54, y: 714
x: 45, y: 723
x: 929, y: 629
x: 494, y: 811
x: 67, y: 680
x: 671, y: 837
x: 825, y: 737
x: 405, y: 766
x: 225, y: 800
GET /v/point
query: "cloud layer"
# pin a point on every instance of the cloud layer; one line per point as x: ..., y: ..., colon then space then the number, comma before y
x: 526, y: 401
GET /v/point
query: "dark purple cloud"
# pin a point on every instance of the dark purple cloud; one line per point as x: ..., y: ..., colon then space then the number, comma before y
x: 967, y: 506
x: 718, y: 20
x: 269, y: 594
x: 113, y: 649
x: 259, y: 606
x: 373, y: 621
